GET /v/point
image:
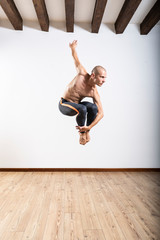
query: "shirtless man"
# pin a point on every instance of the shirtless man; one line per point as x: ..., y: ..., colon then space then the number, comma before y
x: 83, y: 85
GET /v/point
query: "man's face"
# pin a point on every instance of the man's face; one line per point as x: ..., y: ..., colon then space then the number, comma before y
x: 101, y: 77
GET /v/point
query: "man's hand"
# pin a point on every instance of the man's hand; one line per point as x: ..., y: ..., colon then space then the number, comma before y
x: 83, y: 128
x: 73, y: 45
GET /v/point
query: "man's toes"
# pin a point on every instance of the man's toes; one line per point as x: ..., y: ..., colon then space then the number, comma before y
x: 82, y: 141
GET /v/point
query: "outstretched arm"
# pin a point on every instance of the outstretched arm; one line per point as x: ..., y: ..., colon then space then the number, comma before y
x: 79, y: 67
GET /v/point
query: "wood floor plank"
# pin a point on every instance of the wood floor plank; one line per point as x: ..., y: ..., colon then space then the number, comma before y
x: 33, y: 220
x: 7, y: 186
x: 18, y: 198
x: 59, y: 181
x: 94, y: 235
x: 55, y: 220
x: 87, y: 209
x: 71, y: 194
x: 142, y: 209
x: 124, y: 223
x: 144, y: 212
x: 11, y: 202
x: 141, y: 228
x: 12, y: 236
x: 154, y: 177
x: 28, y: 204
x: 114, y: 191
x: 73, y: 226
x: 133, y: 188
x: 43, y: 201
x: 107, y: 220
x: 46, y: 202
x: 79, y: 205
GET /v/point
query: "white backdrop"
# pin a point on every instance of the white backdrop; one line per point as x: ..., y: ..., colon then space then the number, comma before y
x: 35, y: 68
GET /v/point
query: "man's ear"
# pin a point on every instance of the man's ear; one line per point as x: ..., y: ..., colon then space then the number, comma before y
x: 93, y: 75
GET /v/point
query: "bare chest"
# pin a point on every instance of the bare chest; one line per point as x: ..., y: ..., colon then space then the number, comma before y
x: 78, y: 89
x: 83, y: 89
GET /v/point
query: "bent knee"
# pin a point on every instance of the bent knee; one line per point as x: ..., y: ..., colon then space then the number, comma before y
x: 83, y: 110
x: 94, y: 109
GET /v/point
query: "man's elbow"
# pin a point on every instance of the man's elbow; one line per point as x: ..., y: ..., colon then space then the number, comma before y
x: 101, y: 115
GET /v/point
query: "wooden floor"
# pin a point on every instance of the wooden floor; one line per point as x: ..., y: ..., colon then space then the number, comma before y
x: 79, y: 205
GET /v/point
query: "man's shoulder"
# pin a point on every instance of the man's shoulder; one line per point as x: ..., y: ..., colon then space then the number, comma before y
x: 82, y: 76
x: 83, y: 73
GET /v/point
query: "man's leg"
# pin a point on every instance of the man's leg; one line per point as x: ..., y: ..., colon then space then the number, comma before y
x: 81, y: 119
x: 92, y: 111
x: 72, y: 109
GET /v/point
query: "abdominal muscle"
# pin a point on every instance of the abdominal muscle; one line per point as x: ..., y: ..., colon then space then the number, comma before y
x: 77, y: 90
x: 72, y: 96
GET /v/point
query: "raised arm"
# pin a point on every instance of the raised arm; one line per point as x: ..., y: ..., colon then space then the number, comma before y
x: 79, y: 67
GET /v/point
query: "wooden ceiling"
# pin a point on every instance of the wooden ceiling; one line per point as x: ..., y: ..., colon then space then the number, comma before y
x: 126, y: 13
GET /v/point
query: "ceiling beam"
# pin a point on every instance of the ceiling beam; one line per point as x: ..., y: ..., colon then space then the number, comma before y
x: 98, y: 15
x: 12, y: 13
x: 128, y: 9
x: 151, y: 19
x: 41, y: 11
x: 69, y: 7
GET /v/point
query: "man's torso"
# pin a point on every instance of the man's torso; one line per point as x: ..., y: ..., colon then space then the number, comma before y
x: 78, y: 89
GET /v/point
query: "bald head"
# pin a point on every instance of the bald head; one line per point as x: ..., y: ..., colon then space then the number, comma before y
x: 98, y: 69
x: 98, y: 75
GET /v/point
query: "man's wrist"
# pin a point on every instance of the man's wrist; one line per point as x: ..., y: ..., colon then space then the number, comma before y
x: 89, y: 128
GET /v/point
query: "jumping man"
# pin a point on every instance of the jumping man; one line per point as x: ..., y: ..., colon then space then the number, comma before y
x: 83, y: 85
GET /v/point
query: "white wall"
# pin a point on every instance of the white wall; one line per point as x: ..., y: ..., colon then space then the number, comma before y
x: 36, y: 66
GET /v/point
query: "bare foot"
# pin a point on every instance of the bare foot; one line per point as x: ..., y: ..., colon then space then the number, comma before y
x: 82, y: 139
x: 87, y: 136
